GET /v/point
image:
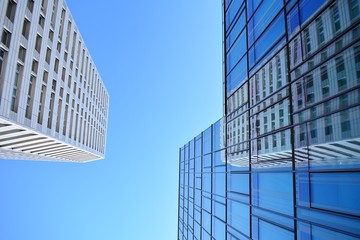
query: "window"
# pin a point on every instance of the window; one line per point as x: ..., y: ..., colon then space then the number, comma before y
x: 335, y: 18
x: 354, y: 9
x: 6, y: 37
x: 278, y: 63
x: 30, y: 97
x: 43, y: 5
x: 51, y: 107
x: 73, y: 45
x: 26, y: 28
x: 283, y: 138
x: 56, y: 65
x: 341, y: 74
x: 267, y: 229
x: 345, y: 122
x: 58, y: 47
x: 41, y: 21
x: 48, y: 55
x: 324, y: 81
x: 61, y: 28
x: 65, y: 56
x: 16, y: 84
x: 38, y: 43
x: 53, y: 87
x: 68, y: 35
x: 69, y: 81
x: 357, y: 62
x: 2, y: 56
x: 343, y: 101
x: 51, y: 35
x: 320, y: 31
x: 41, y: 103
x: 328, y: 127
x: 34, y: 66
x: 63, y: 73
x: 53, y: 14
x: 10, y: 11
x: 45, y: 76
x: 307, y: 41
x: 22, y: 53
x: 313, y: 129
x: 310, y: 97
x: 335, y: 192
x: 30, y: 5
x: 57, y: 125
x: 274, y: 140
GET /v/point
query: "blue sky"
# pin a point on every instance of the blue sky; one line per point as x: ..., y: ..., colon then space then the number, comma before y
x: 161, y: 62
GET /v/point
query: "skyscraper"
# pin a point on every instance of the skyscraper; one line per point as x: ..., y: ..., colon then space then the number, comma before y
x: 53, y: 103
x: 283, y: 162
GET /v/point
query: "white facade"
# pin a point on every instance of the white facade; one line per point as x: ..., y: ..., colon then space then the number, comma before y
x: 53, y: 103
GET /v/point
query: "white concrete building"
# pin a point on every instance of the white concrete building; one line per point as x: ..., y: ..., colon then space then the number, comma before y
x: 53, y: 103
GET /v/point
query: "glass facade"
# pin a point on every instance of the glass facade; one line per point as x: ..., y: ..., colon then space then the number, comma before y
x: 284, y: 161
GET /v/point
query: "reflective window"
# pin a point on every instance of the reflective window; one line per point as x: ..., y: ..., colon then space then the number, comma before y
x: 234, y: 33
x: 268, y: 39
x: 318, y: 233
x: 239, y: 216
x: 237, y: 75
x: 232, y: 12
x: 308, y: 8
x: 269, y: 231
x: 238, y: 182
x: 219, y: 181
x: 218, y: 135
x: 218, y: 229
x: 207, y: 141
x: 267, y: 10
x: 336, y: 191
x: 293, y: 20
x: 236, y: 52
x: 273, y: 191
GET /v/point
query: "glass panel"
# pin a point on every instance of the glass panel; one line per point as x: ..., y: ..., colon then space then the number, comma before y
x: 270, y: 37
x: 237, y: 75
x: 273, y: 191
x: 218, y: 135
x: 206, y: 220
x: 269, y: 231
x: 238, y: 182
x: 218, y: 229
x: 318, y: 233
x: 191, y: 148
x: 262, y: 18
x: 207, y: 141
x: 219, y: 158
x: 239, y: 216
x: 232, y: 12
x: 219, y: 182
x: 198, y: 145
x: 236, y: 52
x: 238, y: 27
x: 336, y: 191
x: 293, y: 21
x: 308, y: 8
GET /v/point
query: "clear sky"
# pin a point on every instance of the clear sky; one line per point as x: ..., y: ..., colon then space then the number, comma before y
x: 161, y: 61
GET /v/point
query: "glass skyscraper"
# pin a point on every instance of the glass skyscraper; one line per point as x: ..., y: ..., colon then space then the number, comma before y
x: 284, y: 160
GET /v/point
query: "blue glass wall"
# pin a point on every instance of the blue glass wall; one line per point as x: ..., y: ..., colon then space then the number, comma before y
x: 286, y: 163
